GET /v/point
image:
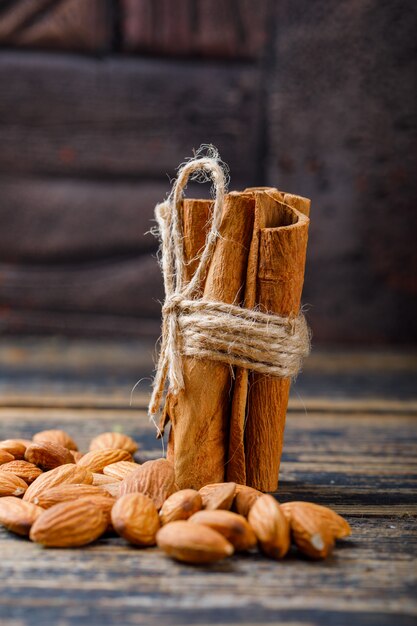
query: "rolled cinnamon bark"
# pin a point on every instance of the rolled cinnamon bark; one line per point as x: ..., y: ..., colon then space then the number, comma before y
x: 200, y: 413
x: 275, y: 276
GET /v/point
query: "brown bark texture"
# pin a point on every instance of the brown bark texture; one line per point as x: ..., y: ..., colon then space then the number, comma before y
x: 229, y: 424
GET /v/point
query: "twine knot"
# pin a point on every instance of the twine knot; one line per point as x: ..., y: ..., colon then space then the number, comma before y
x: 203, y: 329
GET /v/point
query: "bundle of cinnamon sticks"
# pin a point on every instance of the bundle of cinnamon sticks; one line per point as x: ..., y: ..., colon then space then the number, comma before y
x: 228, y: 423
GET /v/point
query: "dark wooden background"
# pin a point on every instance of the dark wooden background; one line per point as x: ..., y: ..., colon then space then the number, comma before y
x: 100, y: 100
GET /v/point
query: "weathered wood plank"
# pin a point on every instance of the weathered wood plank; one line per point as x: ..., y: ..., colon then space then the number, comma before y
x: 134, y: 118
x: 204, y: 28
x: 345, y: 137
x: 74, y: 25
x: 59, y: 219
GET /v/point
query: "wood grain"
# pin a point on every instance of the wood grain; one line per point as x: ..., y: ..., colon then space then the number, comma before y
x: 133, y: 118
x: 202, y: 28
x: 57, y: 24
x: 362, y: 463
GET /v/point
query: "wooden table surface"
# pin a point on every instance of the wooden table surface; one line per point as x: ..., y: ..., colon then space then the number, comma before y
x: 350, y: 444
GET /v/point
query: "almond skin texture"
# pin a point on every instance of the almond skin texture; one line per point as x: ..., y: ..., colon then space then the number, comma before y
x: 112, y: 488
x: 193, y: 543
x: 114, y: 440
x: 56, y: 436
x: 180, y: 506
x: 135, y: 518
x: 11, y: 485
x: 25, y: 470
x: 311, y: 533
x: 119, y: 471
x: 235, y: 528
x: 337, y: 525
x: 218, y: 496
x: 101, y: 479
x: 15, y: 447
x: 48, y: 455
x: 69, y: 525
x: 17, y: 515
x: 155, y: 479
x: 245, y: 498
x: 97, y: 460
x: 271, y: 527
x: 66, y: 493
x: 5, y: 457
x: 64, y: 474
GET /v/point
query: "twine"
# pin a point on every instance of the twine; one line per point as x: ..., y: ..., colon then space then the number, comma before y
x: 203, y: 329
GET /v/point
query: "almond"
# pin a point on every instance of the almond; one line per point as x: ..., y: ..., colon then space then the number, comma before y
x: 64, y: 474
x: 135, y: 518
x: 56, y: 436
x: 114, y: 440
x: 193, y: 543
x: 120, y: 470
x: 68, y: 492
x: 15, y: 447
x: 48, y: 455
x: 218, y: 495
x: 337, y: 525
x: 311, y: 533
x: 102, y: 479
x: 180, y: 505
x: 155, y: 479
x: 97, y: 460
x: 17, y: 515
x: 28, y: 471
x: 245, y: 498
x: 5, y: 457
x: 271, y: 527
x: 69, y: 524
x: 11, y: 485
x: 235, y: 528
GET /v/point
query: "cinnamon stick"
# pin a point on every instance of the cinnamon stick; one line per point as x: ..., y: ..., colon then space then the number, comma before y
x: 274, y: 281
x: 200, y: 413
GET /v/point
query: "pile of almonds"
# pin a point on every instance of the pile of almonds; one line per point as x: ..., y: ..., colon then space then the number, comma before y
x: 59, y: 497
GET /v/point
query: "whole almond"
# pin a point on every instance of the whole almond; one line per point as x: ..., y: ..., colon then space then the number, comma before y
x: 11, y: 485
x: 96, y: 460
x: 234, y: 527
x: 5, y: 457
x: 48, y: 455
x: 114, y: 440
x: 193, y: 543
x: 311, y: 533
x: 218, y: 495
x: 135, y: 518
x: 68, y: 492
x: 337, y: 525
x: 64, y: 474
x: 120, y: 470
x: 17, y: 515
x: 15, y: 447
x: 28, y: 471
x: 271, y: 527
x: 69, y: 524
x: 180, y: 505
x: 155, y: 479
x: 56, y: 436
x: 245, y: 498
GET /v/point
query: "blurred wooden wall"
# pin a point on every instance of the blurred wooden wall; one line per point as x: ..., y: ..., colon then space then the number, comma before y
x: 101, y: 99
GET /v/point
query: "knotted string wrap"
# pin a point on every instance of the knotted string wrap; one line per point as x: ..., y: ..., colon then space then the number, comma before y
x: 203, y: 329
